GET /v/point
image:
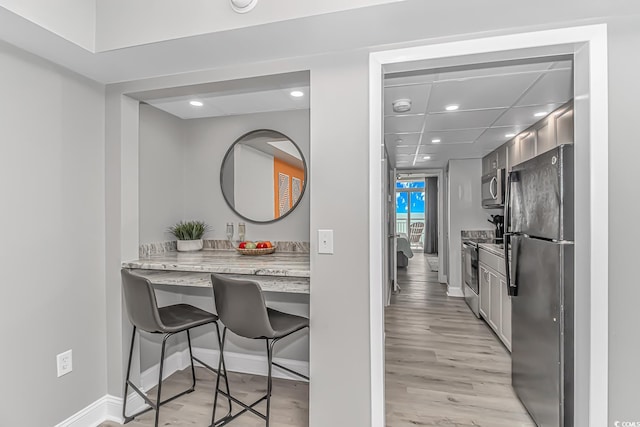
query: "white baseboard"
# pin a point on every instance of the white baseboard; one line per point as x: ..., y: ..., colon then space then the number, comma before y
x: 455, y: 292
x: 107, y: 408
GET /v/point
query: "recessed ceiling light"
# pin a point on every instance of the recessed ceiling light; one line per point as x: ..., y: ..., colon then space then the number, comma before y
x: 297, y: 93
x: 451, y: 107
x: 510, y: 135
x: 401, y: 105
x: 540, y: 114
x: 426, y: 157
x: 436, y: 140
x: 196, y: 103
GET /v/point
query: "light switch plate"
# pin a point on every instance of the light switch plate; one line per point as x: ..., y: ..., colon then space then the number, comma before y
x: 325, y: 241
x: 64, y: 362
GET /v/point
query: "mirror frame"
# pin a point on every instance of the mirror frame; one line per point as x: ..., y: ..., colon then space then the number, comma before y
x: 304, y: 184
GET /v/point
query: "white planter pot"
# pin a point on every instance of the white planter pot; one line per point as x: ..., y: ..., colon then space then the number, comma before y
x: 189, y: 245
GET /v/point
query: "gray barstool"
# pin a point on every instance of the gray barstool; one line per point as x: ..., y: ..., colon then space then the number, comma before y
x: 144, y: 313
x: 242, y: 309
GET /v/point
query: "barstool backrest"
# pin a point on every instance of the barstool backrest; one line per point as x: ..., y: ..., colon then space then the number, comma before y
x: 241, y: 307
x: 141, y: 303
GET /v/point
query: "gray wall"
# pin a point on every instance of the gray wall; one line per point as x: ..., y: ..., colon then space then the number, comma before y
x: 624, y: 208
x: 52, y: 191
x: 162, y: 141
x: 339, y: 125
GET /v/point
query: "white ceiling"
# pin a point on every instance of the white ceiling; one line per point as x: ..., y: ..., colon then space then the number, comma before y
x: 228, y: 104
x: 494, y: 100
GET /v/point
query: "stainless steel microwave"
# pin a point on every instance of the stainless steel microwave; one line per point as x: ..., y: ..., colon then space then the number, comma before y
x: 493, y: 189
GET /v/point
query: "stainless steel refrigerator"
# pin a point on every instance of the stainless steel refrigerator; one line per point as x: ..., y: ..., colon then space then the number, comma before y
x: 539, y: 212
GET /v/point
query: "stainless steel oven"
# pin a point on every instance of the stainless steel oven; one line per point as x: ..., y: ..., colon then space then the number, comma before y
x: 493, y: 189
x: 471, y: 285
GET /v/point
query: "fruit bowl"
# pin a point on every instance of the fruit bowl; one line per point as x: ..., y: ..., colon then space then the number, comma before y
x: 256, y: 251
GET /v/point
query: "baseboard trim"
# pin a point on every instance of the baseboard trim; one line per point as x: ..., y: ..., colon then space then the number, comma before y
x: 107, y: 408
x: 455, y: 292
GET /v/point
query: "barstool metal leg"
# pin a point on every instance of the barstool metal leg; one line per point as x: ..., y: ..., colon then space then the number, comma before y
x: 221, y: 367
x: 269, y: 377
x: 164, y: 344
x: 126, y: 381
x: 193, y: 369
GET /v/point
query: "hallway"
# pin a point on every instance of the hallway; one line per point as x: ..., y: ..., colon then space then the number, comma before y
x: 444, y: 367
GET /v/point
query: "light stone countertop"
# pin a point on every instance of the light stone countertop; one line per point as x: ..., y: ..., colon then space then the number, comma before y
x: 281, y: 264
x: 492, y: 248
x: 295, y: 285
x: 278, y: 272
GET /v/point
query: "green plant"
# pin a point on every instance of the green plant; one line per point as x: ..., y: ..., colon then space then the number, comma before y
x: 189, y: 230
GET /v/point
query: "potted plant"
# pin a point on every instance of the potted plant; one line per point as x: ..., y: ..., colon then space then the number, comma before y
x: 189, y: 234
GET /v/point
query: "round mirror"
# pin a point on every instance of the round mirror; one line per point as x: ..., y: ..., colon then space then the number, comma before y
x: 263, y: 176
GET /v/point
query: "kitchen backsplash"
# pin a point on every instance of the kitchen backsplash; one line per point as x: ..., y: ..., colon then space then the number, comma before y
x: 148, y: 249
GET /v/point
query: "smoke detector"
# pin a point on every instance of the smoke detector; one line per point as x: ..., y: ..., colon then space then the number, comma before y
x: 243, y: 6
x: 401, y: 105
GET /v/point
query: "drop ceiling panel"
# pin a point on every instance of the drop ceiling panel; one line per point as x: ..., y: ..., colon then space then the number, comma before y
x: 480, y: 93
x: 534, y: 68
x: 496, y: 136
x: 398, y: 124
x: 462, y: 119
x: 452, y: 137
x: 524, y: 117
x: 553, y: 87
x: 418, y: 94
x: 393, y: 139
x: 404, y: 79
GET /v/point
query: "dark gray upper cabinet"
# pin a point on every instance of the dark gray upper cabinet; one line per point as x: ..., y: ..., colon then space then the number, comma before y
x: 501, y: 153
x: 564, y: 127
x: 527, y: 142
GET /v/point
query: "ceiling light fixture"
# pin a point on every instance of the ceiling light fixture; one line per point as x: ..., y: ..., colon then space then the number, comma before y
x: 195, y: 103
x: 426, y: 158
x: 436, y: 141
x: 401, y: 105
x: 297, y: 93
x: 451, y: 107
x: 243, y: 6
x: 540, y: 114
x: 510, y: 135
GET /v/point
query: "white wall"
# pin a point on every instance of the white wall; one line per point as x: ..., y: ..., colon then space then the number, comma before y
x: 465, y: 211
x: 52, y: 259
x: 253, y: 183
x: 161, y: 182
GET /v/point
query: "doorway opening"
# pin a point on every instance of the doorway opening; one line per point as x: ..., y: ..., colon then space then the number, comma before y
x: 587, y: 45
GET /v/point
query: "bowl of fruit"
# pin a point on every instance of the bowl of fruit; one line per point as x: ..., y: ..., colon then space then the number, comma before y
x: 256, y: 248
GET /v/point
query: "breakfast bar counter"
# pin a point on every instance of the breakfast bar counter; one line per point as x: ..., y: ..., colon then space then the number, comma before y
x: 278, y: 272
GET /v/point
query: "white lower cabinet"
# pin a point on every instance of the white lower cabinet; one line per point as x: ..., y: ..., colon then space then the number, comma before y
x: 495, y: 302
x: 505, y: 324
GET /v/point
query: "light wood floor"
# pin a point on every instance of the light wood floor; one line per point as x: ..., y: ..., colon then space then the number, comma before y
x: 444, y: 367
x: 289, y: 401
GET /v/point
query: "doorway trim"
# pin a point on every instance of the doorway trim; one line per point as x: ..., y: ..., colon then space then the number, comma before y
x: 589, y: 44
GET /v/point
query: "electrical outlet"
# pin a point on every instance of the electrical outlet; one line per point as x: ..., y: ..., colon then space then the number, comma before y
x: 65, y: 363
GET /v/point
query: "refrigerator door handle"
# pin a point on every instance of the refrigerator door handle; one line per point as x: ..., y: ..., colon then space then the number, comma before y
x: 510, y: 275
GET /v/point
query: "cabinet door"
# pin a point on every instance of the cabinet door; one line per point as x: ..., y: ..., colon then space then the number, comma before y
x: 564, y: 128
x: 501, y: 154
x: 513, y: 154
x: 505, y: 330
x: 485, y: 293
x: 528, y: 146
x: 545, y: 138
x: 496, y: 296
